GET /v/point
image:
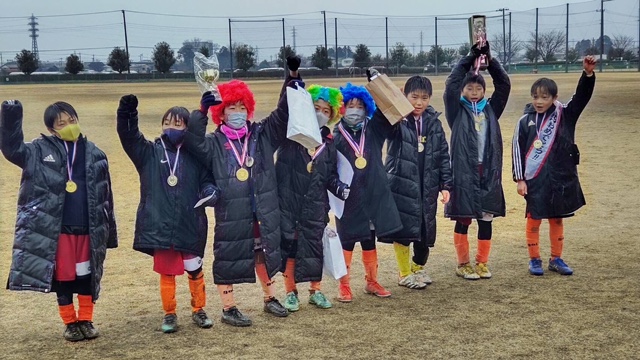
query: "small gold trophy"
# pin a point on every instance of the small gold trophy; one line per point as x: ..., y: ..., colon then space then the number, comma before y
x: 207, y: 72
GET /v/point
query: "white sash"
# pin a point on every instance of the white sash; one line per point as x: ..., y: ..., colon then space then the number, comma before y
x: 548, y: 130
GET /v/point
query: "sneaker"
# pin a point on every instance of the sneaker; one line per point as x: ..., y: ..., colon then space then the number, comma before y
x: 535, y: 267
x: 467, y: 272
x: 234, y: 317
x: 201, y: 319
x: 170, y: 323
x: 421, y: 276
x: 411, y: 281
x: 374, y: 288
x: 320, y: 301
x: 274, y: 307
x: 558, y: 265
x: 344, y: 293
x: 291, y: 302
x: 87, y: 329
x: 483, y: 271
x: 72, y: 333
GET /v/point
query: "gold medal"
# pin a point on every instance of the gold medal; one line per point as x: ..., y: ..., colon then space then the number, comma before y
x: 71, y: 187
x: 309, y: 166
x: 311, y: 152
x: 537, y: 144
x: 481, y: 116
x: 249, y: 161
x: 242, y: 174
x: 420, y: 147
x: 361, y: 162
x: 477, y: 126
x: 172, y: 180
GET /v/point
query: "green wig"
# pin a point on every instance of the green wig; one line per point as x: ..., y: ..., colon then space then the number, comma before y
x: 331, y: 95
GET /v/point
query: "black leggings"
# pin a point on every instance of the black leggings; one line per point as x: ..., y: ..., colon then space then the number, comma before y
x: 420, y: 249
x: 366, y: 245
x: 484, y: 229
x: 66, y: 289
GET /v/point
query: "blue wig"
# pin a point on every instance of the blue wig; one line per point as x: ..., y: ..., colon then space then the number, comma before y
x: 350, y: 92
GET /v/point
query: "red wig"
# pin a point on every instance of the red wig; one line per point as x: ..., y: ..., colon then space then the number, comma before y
x: 233, y: 92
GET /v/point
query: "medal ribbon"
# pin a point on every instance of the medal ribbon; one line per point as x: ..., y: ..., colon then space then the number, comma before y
x: 358, y: 149
x: 419, y: 128
x: 245, y: 147
x: 548, y: 130
x: 73, y: 160
x: 172, y: 171
x: 319, y: 150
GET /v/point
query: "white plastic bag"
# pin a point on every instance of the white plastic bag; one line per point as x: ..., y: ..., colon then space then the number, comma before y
x: 303, y: 124
x: 333, y: 258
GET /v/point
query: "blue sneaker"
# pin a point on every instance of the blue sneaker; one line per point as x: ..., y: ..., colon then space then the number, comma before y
x: 559, y: 266
x: 535, y: 267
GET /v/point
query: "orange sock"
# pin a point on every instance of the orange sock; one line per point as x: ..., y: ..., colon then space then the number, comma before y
x: 556, y: 235
x: 314, y: 286
x: 67, y: 314
x: 533, y: 237
x: 168, y: 293
x: 289, y: 276
x: 370, y: 261
x: 85, y: 308
x: 348, y: 255
x: 461, y: 243
x: 268, y: 289
x: 198, y: 292
x: 484, y: 249
x: 226, y: 296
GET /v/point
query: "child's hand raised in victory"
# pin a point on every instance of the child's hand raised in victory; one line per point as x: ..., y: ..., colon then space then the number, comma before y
x: 522, y: 187
x: 589, y: 64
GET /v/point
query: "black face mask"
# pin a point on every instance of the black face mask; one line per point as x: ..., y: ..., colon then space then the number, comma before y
x: 174, y: 135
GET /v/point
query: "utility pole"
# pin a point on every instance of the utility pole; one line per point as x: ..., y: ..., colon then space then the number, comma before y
x: 602, y: 32
x: 639, y: 35
x: 421, y: 35
x: 386, y: 38
x: 34, y: 36
x: 536, y: 53
x: 126, y: 40
x: 504, y: 37
x: 293, y: 31
x: 435, y: 48
x: 510, y: 54
x: 336, y: 32
x: 324, y: 16
x: 566, y: 44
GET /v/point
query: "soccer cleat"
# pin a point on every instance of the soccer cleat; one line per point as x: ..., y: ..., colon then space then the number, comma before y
x: 535, y: 267
x: 291, y: 302
x: 467, y: 272
x: 374, y: 288
x: 344, y: 293
x: 411, y: 281
x: 274, y: 307
x: 72, y: 333
x: 319, y: 300
x: 421, y: 276
x: 170, y: 323
x: 558, y: 265
x: 201, y: 319
x: 234, y: 317
x: 483, y: 271
x: 88, y: 330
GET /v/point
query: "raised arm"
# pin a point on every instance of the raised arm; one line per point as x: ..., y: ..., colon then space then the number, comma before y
x: 502, y: 87
x: 195, y: 140
x: 133, y: 142
x: 293, y: 63
x: 275, y: 125
x: 11, y: 137
x: 584, y: 90
x: 453, y: 88
x: 380, y: 127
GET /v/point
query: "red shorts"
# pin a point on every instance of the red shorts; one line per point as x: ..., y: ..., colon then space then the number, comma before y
x: 173, y: 262
x: 73, y: 257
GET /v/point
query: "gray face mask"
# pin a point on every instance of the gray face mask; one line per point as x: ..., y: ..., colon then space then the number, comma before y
x: 353, y: 116
x: 236, y: 120
x: 322, y: 119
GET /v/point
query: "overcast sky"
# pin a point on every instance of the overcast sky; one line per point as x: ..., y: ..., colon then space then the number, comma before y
x: 409, y: 22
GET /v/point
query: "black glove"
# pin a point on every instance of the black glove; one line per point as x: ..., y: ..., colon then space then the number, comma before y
x: 211, y: 194
x: 484, y: 50
x: 11, y: 106
x: 372, y: 73
x: 208, y: 100
x: 293, y: 62
x: 344, y: 190
x: 128, y: 103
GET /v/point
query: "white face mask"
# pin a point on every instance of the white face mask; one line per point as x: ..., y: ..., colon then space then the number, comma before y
x: 353, y: 116
x: 236, y: 120
x: 322, y: 119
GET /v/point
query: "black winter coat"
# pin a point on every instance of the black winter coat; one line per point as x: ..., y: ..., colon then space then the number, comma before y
x: 304, y: 203
x: 370, y: 198
x: 165, y: 217
x: 473, y: 194
x: 41, y: 200
x: 556, y: 191
x: 416, y: 194
x: 233, y: 247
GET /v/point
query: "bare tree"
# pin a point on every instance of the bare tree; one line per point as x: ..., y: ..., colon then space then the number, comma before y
x: 620, y: 47
x: 549, y: 43
x: 498, y: 47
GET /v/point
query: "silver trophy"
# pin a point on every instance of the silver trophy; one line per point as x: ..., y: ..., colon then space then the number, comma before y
x: 478, y: 36
x: 207, y: 72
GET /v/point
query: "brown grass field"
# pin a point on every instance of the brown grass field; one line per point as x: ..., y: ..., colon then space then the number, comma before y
x: 593, y: 314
